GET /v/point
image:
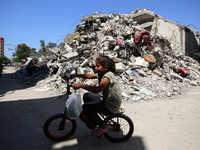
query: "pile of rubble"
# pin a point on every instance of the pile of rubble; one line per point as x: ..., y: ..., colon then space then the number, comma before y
x: 32, y: 71
x: 146, y: 65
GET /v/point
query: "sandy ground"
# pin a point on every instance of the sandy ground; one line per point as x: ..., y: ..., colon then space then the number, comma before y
x: 160, y: 124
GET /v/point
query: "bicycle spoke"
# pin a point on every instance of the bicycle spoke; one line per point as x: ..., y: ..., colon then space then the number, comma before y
x: 52, y: 127
x: 120, y: 128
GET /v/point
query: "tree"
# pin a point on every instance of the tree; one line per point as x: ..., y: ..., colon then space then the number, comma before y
x: 22, y: 52
x: 4, y: 60
x: 43, y: 49
x: 33, y: 52
x: 51, y: 45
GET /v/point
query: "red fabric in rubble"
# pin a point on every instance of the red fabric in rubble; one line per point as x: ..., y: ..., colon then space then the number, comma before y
x: 183, y: 72
x: 146, y: 36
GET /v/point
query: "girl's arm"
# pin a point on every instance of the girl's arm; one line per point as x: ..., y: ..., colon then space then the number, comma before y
x: 94, y: 89
x: 86, y: 76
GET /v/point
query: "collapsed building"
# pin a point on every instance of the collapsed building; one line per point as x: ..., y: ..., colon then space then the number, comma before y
x: 183, y: 39
x: 153, y: 55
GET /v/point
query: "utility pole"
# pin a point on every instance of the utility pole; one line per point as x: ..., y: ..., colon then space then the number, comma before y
x: 15, y: 49
x: 12, y: 45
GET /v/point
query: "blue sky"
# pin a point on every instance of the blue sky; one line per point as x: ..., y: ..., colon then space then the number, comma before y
x: 29, y: 21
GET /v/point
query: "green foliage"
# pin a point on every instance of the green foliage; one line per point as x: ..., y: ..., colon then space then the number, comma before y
x: 22, y: 52
x: 43, y: 49
x: 4, y: 60
x: 33, y: 52
x: 51, y: 45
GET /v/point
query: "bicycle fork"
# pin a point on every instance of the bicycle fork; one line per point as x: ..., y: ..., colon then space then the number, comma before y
x: 62, y: 123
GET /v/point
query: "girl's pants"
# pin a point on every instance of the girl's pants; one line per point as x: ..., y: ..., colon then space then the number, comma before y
x: 93, y: 105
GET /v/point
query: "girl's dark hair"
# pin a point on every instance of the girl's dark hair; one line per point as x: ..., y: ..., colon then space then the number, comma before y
x: 105, y: 60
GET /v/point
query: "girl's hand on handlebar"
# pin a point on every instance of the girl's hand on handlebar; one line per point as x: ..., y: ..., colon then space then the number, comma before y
x: 72, y: 76
x: 76, y: 86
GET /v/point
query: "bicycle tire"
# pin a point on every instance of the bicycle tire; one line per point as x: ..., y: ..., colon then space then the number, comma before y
x: 51, y: 127
x: 120, y: 128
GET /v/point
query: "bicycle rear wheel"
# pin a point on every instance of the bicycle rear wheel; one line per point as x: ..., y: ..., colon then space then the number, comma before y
x: 120, y: 128
x: 53, y: 131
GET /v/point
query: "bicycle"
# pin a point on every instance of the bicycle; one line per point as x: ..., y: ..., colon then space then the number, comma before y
x: 60, y: 127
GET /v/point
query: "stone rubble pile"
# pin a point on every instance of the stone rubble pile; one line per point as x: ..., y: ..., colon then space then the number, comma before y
x: 146, y: 66
x: 32, y: 71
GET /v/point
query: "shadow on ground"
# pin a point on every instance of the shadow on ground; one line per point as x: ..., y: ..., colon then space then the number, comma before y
x: 22, y: 120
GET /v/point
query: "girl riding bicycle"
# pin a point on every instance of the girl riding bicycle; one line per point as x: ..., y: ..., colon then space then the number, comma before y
x: 109, y: 86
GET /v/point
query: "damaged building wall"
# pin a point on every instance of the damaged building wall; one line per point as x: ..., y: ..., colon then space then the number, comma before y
x: 192, y: 42
x: 172, y: 32
x: 183, y: 39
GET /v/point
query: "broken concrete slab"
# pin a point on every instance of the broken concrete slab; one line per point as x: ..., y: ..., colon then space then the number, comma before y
x: 157, y: 72
x: 139, y: 63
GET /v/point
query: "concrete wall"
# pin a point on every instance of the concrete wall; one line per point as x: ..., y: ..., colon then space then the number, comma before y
x: 171, y: 31
x: 192, y: 42
x: 184, y: 40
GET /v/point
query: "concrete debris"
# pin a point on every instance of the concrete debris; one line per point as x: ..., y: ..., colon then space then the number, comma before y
x: 32, y: 71
x: 150, y: 58
x: 157, y: 73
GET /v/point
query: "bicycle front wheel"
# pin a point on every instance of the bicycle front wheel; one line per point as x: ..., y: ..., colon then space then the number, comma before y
x: 120, y: 128
x: 53, y: 130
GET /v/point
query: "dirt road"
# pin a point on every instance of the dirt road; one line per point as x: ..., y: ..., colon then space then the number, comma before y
x: 160, y: 124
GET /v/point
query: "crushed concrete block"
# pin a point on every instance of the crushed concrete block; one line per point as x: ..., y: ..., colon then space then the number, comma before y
x: 129, y: 72
x: 85, y: 62
x: 141, y: 73
x: 116, y: 48
x: 175, y: 76
x: 196, y: 71
x: 110, y: 39
x: 140, y: 63
x: 193, y: 83
x: 119, y: 67
x: 169, y: 94
x: 157, y: 73
x: 193, y: 74
x: 105, y: 48
x: 132, y: 59
x: 71, y: 55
